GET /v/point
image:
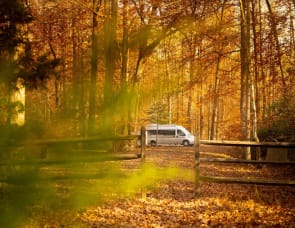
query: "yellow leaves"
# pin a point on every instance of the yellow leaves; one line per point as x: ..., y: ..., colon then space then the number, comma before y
x: 172, y: 203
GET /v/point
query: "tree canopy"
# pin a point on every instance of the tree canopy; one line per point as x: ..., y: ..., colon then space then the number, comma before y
x: 191, y: 56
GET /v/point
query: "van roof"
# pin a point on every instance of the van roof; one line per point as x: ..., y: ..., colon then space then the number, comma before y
x: 162, y: 125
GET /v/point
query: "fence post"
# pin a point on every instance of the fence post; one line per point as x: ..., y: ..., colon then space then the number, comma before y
x: 142, y: 154
x: 143, y: 142
x: 197, y: 165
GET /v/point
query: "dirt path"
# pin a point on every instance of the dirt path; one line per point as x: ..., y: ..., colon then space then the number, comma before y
x: 173, y: 203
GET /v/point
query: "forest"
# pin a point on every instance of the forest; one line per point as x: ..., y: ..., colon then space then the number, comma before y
x: 224, y: 69
x: 72, y: 69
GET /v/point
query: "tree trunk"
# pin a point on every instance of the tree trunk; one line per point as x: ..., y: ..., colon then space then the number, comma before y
x: 215, y: 102
x: 201, y: 113
x: 277, y: 43
x: 190, y: 93
x: 215, y: 110
x: 77, y: 93
x: 291, y: 38
x: 110, y: 54
x: 254, y: 90
x: 245, y: 73
x: 93, y: 78
x: 124, y: 71
x: 124, y: 75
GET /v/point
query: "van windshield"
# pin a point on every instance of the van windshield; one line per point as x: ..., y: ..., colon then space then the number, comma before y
x: 180, y: 132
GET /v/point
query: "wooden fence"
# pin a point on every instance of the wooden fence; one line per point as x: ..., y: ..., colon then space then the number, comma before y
x: 200, y: 178
x: 49, y: 142
x: 35, y: 152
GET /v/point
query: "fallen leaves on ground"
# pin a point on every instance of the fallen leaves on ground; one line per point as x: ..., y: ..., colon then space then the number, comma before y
x: 172, y: 204
x: 152, y: 212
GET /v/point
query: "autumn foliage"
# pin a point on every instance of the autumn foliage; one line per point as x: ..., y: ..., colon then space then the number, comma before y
x: 79, y: 69
x: 183, y: 55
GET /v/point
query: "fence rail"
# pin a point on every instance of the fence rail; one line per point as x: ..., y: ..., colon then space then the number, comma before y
x: 232, y: 180
x: 67, y: 140
x: 38, y: 156
x: 248, y: 143
x: 199, y: 178
x: 223, y: 160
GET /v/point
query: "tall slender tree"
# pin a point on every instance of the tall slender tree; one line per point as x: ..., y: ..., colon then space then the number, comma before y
x: 245, y: 72
x: 277, y: 45
x: 110, y: 57
x: 94, y: 63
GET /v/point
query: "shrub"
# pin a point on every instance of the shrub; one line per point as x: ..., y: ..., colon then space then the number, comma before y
x: 279, y: 123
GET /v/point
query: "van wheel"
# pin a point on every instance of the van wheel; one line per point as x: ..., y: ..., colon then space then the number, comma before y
x: 153, y: 143
x: 185, y: 143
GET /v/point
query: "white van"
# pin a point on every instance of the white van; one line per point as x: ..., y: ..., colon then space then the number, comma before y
x: 168, y: 134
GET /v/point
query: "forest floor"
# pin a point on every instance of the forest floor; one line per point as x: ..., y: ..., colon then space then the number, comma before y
x: 172, y: 203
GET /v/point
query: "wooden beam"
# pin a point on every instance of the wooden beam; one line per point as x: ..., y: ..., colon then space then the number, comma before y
x: 248, y: 143
x: 68, y: 140
x: 197, y: 165
x: 222, y: 160
x: 233, y: 180
x: 99, y: 157
x: 142, y: 142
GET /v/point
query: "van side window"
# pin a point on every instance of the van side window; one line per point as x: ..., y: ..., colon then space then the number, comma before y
x: 180, y: 132
x: 166, y: 132
x: 161, y: 132
x: 152, y: 132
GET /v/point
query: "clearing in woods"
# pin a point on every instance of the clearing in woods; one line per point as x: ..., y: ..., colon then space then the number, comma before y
x: 172, y: 204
